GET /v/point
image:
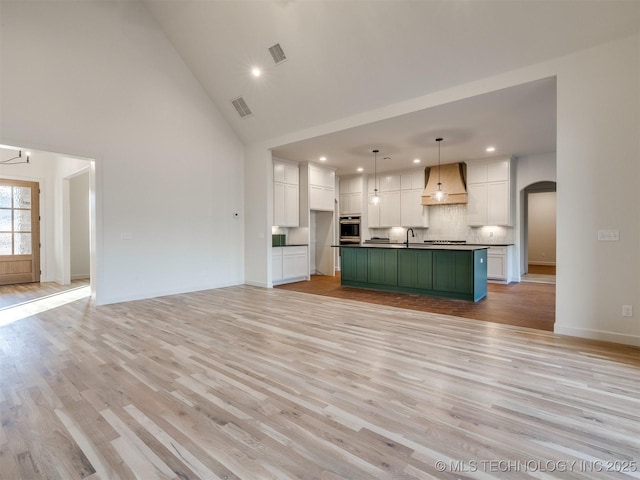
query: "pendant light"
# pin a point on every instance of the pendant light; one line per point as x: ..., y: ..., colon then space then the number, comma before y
x: 439, y: 195
x: 375, y: 200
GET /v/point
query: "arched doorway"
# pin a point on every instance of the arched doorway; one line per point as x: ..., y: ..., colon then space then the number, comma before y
x: 538, y: 259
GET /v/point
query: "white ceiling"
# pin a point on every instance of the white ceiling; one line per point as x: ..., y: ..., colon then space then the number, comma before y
x: 349, y: 57
x: 516, y: 121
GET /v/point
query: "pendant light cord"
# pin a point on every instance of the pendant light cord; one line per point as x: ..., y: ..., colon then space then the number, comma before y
x: 439, y: 140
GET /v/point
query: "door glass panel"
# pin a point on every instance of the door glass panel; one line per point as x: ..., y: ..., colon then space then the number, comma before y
x: 22, y: 243
x: 21, y: 197
x: 21, y: 220
x: 5, y: 244
x: 5, y: 196
x: 5, y: 220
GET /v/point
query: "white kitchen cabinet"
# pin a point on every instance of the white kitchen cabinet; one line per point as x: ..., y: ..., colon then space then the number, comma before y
x: 387, y: 213
x: 498, y: 263
x: 321, y: 188
x: 285, y: 205
x: 295, y: 263
x: 351, y: 196
x: 412, y: 180
x: 412, y: 212
x: 400, y: 201
x: 389, y: 183
x: 289, y: 264
x: 286, y: 194
x: 477, y: 204
x: 276, y: 265
x: 350, y: 203
x: 373, y: 214
x: 490, y: 201
x: 390, y: 209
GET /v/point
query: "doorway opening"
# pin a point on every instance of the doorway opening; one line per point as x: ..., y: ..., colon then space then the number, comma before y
x: 66, y: 222
x: 539, y: 233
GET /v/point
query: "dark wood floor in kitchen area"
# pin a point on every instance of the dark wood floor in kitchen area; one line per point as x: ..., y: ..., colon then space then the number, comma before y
x: 529, y: 305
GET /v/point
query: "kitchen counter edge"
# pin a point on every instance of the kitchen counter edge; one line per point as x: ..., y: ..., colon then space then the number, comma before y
x: 415, y: 246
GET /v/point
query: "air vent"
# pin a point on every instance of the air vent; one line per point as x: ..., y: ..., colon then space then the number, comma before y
x: 241, y: 107
x: 277, y: 53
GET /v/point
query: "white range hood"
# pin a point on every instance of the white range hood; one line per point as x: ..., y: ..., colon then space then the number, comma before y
x: 452, y: 179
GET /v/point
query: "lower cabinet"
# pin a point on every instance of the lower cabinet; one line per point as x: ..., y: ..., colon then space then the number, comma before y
x: 458, y: 274
x: 383, y: 267
x: 353, y: 264
x: 498, y: 264
x: 289, y: 264
x: 415, y: 269
x: 452, y: 271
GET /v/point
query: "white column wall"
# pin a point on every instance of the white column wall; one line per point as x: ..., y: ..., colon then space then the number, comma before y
x: 598, y: 151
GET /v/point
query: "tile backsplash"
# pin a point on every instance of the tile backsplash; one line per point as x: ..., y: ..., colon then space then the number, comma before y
x: 449, y: 222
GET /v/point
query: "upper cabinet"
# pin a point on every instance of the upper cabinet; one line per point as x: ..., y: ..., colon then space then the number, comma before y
x: 286, y: 194
x: 351, y: 195
x: 400, y: 201
x: 322, y: 183
x: 489, y: 185
x: 412, y: 212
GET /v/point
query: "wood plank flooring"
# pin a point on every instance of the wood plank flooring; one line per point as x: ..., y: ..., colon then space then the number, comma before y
x: 529, y: 305
x: 248, y: 383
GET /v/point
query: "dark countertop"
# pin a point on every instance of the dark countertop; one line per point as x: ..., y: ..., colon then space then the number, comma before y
x: 294, y: 245
x: 493, y: 244
x: 417, y: 246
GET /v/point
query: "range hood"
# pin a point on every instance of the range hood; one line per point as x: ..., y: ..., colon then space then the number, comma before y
x: 453, y: 182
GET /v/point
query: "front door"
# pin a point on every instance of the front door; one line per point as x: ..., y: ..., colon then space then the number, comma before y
x: 19, y: 232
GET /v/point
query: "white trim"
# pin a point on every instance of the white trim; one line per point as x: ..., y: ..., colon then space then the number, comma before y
x: 602, y: 335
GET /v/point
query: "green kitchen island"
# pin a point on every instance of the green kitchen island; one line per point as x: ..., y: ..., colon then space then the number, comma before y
x: 451, y: 271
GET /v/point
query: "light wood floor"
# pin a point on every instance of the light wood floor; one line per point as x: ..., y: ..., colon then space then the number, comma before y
x: 248, y: 383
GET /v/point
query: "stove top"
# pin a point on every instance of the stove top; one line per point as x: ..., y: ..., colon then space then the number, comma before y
x: 445, y: 242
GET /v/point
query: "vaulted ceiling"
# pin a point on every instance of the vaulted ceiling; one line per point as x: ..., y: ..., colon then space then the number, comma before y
x: 349, y: 57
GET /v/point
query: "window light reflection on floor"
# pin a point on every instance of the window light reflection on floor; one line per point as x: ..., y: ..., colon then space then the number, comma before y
x: 33, y: 307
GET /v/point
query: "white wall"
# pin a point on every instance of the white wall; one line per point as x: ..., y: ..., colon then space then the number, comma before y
x: 100, y: 79
x: 542, y: 228
x: 597, y: 148
x: 79, y: 226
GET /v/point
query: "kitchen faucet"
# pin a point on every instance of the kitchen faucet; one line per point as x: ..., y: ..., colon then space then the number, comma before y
x: 412, y: 234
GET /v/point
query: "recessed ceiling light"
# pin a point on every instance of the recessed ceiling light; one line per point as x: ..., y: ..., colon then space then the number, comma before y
x: 360, y: 169
x: 491, y: 149
x: 323, y: 159
x: 416, y: 160
x: 256, y: 72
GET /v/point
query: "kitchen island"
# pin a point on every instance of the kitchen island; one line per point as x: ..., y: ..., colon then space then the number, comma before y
x: 451, y: 271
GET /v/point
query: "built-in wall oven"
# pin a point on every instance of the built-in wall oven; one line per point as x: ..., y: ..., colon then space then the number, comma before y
x: 349, y: 230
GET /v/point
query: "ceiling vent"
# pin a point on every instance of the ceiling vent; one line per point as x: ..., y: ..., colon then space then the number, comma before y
x: 241, y: 107
x: 277, y: 53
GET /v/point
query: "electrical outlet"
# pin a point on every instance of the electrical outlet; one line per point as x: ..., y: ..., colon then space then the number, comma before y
x: 627, y: 311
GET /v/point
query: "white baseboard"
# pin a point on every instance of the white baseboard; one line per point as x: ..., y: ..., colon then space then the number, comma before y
x: 258, y: 284
x: 548, y: 264
x: 623, y: 338
x: 80, y: 276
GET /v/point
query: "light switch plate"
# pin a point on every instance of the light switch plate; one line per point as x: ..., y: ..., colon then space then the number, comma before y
x: 608, y: 235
